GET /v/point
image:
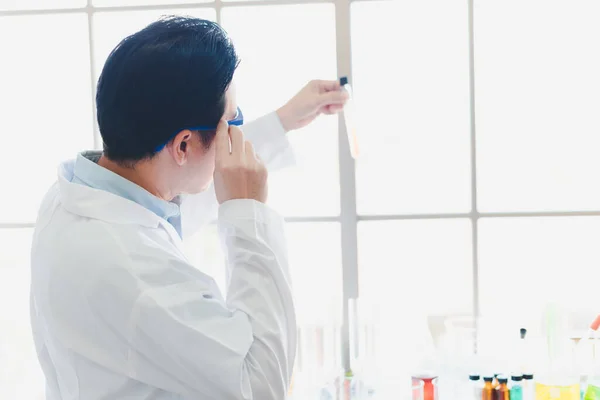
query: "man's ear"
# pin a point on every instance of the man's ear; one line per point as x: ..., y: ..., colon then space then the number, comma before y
x: 180, y: 146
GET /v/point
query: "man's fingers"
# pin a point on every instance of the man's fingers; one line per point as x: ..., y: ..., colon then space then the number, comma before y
x: 327, y: 86
x: 253, y: 158
x: 336, y: 97
x: 332, y: 109
x: 250, y: 151
x: 222, y: 139
x: 237, y: 140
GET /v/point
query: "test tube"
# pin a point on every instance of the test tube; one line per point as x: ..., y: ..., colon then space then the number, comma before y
x: 350, y: 119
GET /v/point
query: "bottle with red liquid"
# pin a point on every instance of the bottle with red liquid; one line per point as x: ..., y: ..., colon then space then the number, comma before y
x: 502, y: 392
x: 417, y: 389
x: 429, y: 387
x: 495, y: 383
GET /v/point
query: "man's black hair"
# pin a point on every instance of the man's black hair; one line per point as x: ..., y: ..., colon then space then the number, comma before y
x: 171, y: 75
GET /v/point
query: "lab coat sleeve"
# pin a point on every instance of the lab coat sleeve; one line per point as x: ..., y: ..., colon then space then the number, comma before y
x: 272, y: 145
x: 270, y: 309
x: 185, y: 339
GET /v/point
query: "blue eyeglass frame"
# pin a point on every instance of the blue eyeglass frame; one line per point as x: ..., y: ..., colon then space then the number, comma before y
x: 238, y: 120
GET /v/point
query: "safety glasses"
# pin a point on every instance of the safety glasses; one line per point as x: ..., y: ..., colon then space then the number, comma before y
x: 236, y: 121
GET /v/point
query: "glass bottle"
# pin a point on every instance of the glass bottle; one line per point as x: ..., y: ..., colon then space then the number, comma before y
x: 516, y: 387
x: 488, y: 390
x: 502, y: 391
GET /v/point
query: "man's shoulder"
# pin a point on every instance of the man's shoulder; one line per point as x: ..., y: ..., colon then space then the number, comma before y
x: 97, y: 256
x: 73, y: 237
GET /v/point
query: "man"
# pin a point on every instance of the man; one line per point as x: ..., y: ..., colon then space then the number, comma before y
x: 117, y: 310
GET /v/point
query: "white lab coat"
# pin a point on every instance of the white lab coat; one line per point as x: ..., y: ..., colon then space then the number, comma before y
x: 119, y: 313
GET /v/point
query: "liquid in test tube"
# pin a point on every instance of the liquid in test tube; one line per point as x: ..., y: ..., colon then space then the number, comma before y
x: 350, y: 119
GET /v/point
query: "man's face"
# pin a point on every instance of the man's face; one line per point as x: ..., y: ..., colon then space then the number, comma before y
x: 201, y: 167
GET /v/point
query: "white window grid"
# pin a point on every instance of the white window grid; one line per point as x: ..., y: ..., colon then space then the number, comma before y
x: 349, y: 216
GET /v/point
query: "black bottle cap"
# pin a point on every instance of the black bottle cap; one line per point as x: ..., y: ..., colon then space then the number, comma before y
x: 502, y: 379
x: 528, y: 376
x: 474, y: 377
x: 488, y: 378
x: 517, y: 378
x: 523, y: 333
x: 343, y: 80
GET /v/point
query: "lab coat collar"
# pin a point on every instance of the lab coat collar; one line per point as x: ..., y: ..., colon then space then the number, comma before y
x: 99, y: 204
x: 88, y: 172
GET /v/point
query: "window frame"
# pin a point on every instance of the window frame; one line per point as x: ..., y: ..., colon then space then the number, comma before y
x: 348, y: 217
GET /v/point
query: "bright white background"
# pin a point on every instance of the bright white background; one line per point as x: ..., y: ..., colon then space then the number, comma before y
x: 477, y: 191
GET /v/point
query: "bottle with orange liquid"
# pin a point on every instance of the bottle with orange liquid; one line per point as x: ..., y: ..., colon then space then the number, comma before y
x: 488, y: 389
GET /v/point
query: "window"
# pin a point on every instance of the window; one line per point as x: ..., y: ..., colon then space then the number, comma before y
x: 475, y: 192
x: 537, y: 92
x: 413, y: 99
x: 21, y: 377
x: 274, y: 48
x: 48, y: 93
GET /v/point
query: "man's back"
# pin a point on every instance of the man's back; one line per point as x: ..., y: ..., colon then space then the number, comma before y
x: 118, y: 312
x: 64, y: 318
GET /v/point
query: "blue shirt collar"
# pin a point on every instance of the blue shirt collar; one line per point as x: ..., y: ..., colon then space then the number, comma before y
x: 88, y: 172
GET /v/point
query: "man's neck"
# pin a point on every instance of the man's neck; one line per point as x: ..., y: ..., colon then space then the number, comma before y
x: 138, y: 174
